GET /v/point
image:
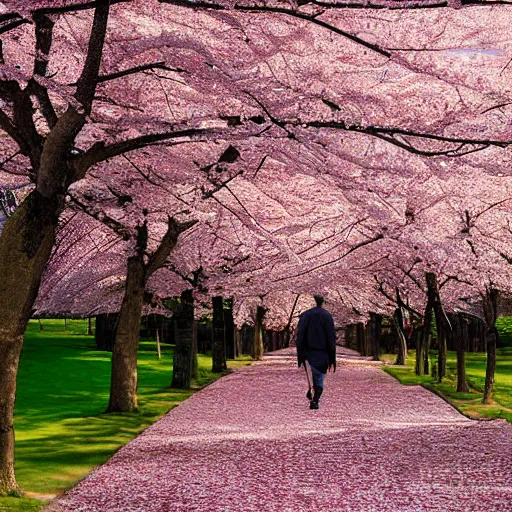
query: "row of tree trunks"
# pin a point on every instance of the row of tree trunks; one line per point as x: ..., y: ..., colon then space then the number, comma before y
x: 275, y: 340
x: 476, y: 336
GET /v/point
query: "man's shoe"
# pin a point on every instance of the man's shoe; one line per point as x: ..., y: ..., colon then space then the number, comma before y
x: 313, y: 405
x: 317, y: 395
x: 309, y: 396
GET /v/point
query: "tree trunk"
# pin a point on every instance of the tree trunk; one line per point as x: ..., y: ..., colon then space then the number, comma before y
x: 229, y: 331
x: 458, y: 330
x: 426, y: 353
x: 25, y: 246
x: 89, y: 326
x: 366, y: 340
x: 105, y: 331
x: 419, y: 352
x: 491, y: 338
x: 273, y: 336
x: 442, y: 352
x: 287, y: 337
x: 401, y: 357
x: 183, y: 351
x: 10, y: 350
x: 360, y: 336
x: 490, y: 307
x: 351, y: 336
x: 257, y: 347
x: 423, y: 341
x: 123, y: 382
x: 374, y: 332
x: 444, y: 327
x: 238, y: 342
x: 193, y: 368
x: 219, y: 336
x: 247, y: 339
x: 158, y: 349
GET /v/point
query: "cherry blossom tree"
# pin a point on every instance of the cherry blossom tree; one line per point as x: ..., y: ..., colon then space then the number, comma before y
x: 342, y: 114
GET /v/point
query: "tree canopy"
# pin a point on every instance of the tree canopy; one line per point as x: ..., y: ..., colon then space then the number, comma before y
x: 335, y: 147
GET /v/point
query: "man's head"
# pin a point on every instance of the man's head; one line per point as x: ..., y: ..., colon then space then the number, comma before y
x: 319, y: 300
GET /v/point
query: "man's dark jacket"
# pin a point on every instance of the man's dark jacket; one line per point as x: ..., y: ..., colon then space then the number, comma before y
x: 316, y: 339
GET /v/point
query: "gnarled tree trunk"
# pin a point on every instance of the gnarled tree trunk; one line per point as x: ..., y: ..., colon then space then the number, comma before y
x: 25, y: 246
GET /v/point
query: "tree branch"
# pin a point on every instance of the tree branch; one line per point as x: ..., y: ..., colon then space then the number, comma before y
x: 138, y: 69
x: 388, y: 134
x: 99, y: 152
x: 295, y: 13
x: 44, y: 36
x: 111, y: 223
x: 21, y: 128
x: 168, y: 243
x: 380, y: 236
x: 86, y: 86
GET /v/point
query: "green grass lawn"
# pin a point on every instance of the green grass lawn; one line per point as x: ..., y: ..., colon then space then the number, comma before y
x: 63, y: 389
x: 468, y: 403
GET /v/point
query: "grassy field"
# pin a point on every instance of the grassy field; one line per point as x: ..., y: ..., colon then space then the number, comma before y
x: 63, y: 389
x: 468, y: 403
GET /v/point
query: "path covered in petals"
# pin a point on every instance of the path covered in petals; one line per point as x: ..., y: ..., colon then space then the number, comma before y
x: 250, y: 443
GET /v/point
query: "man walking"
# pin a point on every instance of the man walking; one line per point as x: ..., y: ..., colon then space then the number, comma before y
x: 316, y: 343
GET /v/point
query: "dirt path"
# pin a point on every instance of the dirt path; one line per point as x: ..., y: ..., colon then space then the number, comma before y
x: 250, y: 443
